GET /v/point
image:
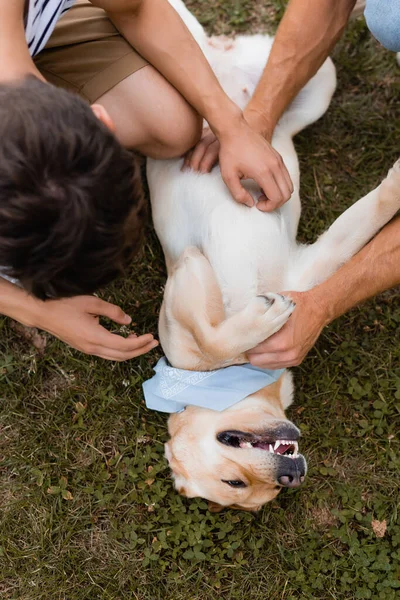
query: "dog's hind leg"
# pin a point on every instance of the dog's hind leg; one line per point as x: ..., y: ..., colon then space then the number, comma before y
x: 203, y: 338
x: 348, y: 234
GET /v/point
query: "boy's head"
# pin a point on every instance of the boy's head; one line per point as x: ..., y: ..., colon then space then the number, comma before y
x: 72, y: 208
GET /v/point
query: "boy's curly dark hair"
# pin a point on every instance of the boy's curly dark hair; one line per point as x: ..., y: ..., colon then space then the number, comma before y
x: 72, y: 208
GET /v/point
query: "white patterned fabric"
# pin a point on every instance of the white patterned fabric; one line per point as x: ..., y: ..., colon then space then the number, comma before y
x: 41, y: 20
x: 171, y: 389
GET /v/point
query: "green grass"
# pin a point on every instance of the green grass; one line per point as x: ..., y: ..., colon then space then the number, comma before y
x: 87, y: 506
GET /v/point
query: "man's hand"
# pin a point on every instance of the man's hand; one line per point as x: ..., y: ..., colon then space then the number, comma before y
x: 289, y: 346
x: 176, y: 55
x: 75, y: 321
x: 244, y: 154
x: 204, y: 156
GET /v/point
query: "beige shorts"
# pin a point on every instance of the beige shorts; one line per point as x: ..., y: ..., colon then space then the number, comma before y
x: 86, y: 53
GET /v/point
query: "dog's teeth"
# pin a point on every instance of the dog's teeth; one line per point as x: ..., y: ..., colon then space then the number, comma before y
x: 277, y: 444
x: 296, y: 449
x: 270, y: 448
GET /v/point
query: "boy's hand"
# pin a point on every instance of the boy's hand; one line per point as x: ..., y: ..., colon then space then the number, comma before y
x: 75, y: 321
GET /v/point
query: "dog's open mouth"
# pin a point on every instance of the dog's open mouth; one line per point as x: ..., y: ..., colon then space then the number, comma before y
x: 283, y: 447
x: 239, y: 439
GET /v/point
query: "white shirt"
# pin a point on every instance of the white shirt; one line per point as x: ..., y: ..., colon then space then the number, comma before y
x: 41, y: 20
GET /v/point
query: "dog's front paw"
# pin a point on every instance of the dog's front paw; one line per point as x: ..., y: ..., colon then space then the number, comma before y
x: 270, y: 312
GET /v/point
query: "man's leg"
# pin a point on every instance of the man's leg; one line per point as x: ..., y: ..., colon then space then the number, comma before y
x: 87, y: 55
x: 383, y: 20
x: 151, y: 116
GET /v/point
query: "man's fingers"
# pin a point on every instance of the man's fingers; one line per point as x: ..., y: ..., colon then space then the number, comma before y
x: 186, y: 162
x: 210, y: 157
x: 111, y: 311
x: 197, y: 155
x: 263, y: 348
x: 271, y: 346
x: 289, y: 182
x: 272, y: 191
x: 284, y: 173
x: 268, y: 361
x: 276, y: 185
x: 200, y: 150
x: 285, y: 187
x: 276, y: 360
x: 237, y: 190
x: 263, y: 203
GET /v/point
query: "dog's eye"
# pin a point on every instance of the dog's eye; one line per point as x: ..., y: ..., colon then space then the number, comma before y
x: 236, y: 483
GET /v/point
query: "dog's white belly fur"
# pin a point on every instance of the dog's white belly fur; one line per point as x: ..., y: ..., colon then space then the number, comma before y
x: 249, y: 251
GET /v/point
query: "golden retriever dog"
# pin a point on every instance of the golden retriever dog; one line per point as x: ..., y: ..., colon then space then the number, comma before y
x: 226, y: 262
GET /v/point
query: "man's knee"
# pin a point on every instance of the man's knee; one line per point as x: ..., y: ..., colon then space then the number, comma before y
x: 177, y: 134
x: 151, y: 116
x: 383, y: 20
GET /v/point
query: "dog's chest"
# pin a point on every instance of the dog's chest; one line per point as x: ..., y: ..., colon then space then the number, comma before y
x: 249, y: 251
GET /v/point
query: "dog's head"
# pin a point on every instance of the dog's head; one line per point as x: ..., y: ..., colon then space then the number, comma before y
x: 241, y: 457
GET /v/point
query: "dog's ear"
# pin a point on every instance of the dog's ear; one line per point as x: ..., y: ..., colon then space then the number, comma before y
x: 168, y: 452
x: 214, y: 507
x: 254, y: 510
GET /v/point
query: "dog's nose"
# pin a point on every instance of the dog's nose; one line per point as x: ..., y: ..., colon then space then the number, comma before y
x: 292, y: 474
x: 290, y: 480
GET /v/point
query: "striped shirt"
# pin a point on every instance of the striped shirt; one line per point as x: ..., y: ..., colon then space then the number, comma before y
x: 41, y: 20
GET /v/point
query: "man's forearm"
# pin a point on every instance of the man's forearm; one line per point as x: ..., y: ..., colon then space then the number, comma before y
x: 305, y: 37
x: 374, y: 269
x: 156, y: 30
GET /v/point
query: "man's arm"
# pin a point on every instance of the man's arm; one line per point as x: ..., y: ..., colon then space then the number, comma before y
x: 305, y: 37
x: 73, y: 320
x: 374, y: 269
x: 15, y: 59
x: 156, y: 30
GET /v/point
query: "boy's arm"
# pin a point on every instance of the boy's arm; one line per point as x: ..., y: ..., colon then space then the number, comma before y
x: 75, y: 322
x: 374, y: 269
x: 305, y: 37
x: 156, y: 30
x: 15, y: 59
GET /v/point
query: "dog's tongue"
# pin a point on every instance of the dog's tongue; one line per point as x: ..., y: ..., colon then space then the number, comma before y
x: 281, y: 449
x: 264, y: 446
